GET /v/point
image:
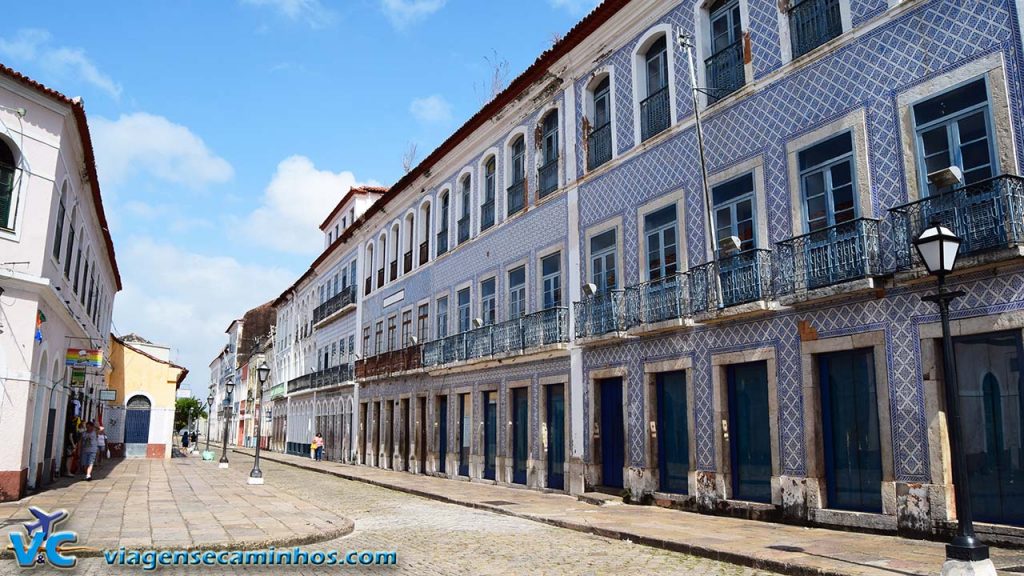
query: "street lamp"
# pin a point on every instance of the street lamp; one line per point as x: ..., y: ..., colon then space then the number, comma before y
x: 229, y: 385
x: 938, y: 248
x: 209, y: 412
x: 256, y: 476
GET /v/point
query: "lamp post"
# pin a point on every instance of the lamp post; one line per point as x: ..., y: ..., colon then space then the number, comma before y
x: 209, y: 412
x: 229, y: 385
x: 938, y: 248
x: 262, y: 373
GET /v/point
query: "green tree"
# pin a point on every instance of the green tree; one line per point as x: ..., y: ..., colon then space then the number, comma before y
x: 184, y: 408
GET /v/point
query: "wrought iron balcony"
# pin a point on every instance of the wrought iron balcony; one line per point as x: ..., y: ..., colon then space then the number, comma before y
x: 516, y: 197
x: 380, y: 277
x: 463, y: 229
x: 812, y: 23
x: 515, y: 336
x: 986, y: 215
x: 329, y: 376
x: 659, y: 300
x: 487, y: 214
x: 424, y: 252
x: 829, y: 256
x: 547, y: 178
x: 743, y: 277
x: 407, y: 262
x: 602, y: 313
x: 655, y: 115
x: 368, y: 286
x: 394, y: 269
x: 442, y: 241
x: 387, y: 363
x: 725, y: 72
x: 599, y: 146
x: 334, y: 303
x: 301, y: 383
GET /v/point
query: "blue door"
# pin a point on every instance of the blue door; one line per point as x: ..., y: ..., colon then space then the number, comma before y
x: 992, y: 423
x: 750, y: 436
x: 849, y: 414
x: 490, y: 433
x: 136, y: 421
x: 556, y: 436
x: 465, y: 413
x: 613, y: 441
x: 673, y: 448
x: 520, y: 431
x: 442, y: 433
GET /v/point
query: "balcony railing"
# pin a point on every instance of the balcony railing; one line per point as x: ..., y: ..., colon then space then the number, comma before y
x: 985, y: 215
x: 812, y: 23
x: 743, y: 277
x: 334, y: 303
x: 514, y: 336
x: 516, y: 197
x: 368, y: 286
x: 392, y: 362
x: 394, y: 269
x: 442, y: 241
x: 463, y: 229
x: 659, y: 300
x: 725, y: 72
x: 599, y: 146
x: 380, y: 277
x: 301, y: 383
x: 424, y: 252
x: 547, y: 178
x: 487, y: 214
x: 407, y: 261
x: 829, y: 256
x: 602, y: 313
x: 654, y: 114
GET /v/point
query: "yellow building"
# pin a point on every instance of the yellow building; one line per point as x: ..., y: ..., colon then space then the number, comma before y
x: 140, y: 418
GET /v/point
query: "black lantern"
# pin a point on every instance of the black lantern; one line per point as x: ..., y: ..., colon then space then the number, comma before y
x: 938, y: 248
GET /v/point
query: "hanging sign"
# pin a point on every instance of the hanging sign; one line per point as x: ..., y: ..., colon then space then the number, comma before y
x: 108, y: 395
x: 84, y: 358
x: 78, y: 377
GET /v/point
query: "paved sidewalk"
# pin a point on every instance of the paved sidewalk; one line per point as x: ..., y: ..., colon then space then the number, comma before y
x: 769, y: 546
x: 180, y: 503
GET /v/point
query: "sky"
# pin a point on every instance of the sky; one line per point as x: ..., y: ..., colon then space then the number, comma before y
x: 226, y: 130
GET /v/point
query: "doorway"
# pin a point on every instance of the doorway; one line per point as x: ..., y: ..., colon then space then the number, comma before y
x: 612, y: 432
x: 465, y: 417
x: 404, y: 441
x: 421, y: 433
x: 490, y: 433
x: 672, y: 432
x: 136, y: 426
x: 520, y: 433
x: 750, y: 451
x: 556, y: 435
x: 442, y: 434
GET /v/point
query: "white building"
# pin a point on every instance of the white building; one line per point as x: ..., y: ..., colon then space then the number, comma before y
x: 58, y: 278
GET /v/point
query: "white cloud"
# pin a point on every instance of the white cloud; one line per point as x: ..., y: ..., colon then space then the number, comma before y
x: 575, y: 7
x: 431, y: 110
x: 33, y: 45
x: 294, y: 204
x: 154, y: 145
x: 311, y: 12
x: 186, y: 300
x: 404, y: 12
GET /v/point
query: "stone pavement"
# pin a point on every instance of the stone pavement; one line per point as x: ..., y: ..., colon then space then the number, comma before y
x: 179, y: 503
x: 776, y: 547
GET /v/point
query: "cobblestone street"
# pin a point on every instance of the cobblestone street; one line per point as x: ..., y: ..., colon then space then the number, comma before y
x: 436, y: 538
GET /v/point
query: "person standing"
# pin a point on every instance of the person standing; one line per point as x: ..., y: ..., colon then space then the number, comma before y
x: 318, y: 442
x: 184, y: 442
x: 89, y: 446
x: 101, y: 444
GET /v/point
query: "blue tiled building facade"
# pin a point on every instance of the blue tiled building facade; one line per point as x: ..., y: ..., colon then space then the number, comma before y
x: 778, y: 363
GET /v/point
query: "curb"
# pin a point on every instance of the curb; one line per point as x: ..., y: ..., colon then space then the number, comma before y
x: 739, y: 559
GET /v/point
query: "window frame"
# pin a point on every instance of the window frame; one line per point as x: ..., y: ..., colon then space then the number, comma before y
x: 544, y: 279
x: 660, y: 231
x: 826, y: 168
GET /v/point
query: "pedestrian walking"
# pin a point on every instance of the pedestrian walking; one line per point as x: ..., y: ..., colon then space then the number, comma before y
x: 184, y: 441
x: 89, y: 446
x: 318, y: 444
x: 101, y: 444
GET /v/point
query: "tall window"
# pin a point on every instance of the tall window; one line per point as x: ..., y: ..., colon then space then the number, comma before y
x: 655, y: 114
x: 423, y: 323
x: 953, y: 129
x: 599, y: 141
x: 366, y: 340
x: 517, y: 191
x: 442, y: 317
x: 407, y: 328
x: 464, y: 311
x: 517, y: 292
x: 724, y: 68
x: 392, y: 332
x: 734, y: 211
x: 58, y: 234
x: 551, y: 280
x: 826, y: 178
x: 602, y: 261
x: 464, y: 201
x: 369, y: 268
x: 78, y: 267
x: 71, y: 243
x: 488, y: 301
x: 378, y: 338
x: 660, y: 227
x: 425, y: 234
x: 547, y: 174
x: 487, y: 207
x: 8, y: 205
x: 812, y: 23
x: 442, y: 229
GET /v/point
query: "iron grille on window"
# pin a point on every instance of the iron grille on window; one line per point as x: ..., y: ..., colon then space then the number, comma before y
x: 725, y: 72
x: 812, y: 23
x: 599, y: 146
x: 547, y: 177
x: 654, y: 114
x: 516, y: 197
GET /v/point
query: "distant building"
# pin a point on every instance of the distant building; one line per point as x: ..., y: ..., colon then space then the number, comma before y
x: 140, y: 421
x: 58, y: 278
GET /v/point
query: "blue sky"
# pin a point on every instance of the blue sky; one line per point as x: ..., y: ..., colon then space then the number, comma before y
x: 226, y: 130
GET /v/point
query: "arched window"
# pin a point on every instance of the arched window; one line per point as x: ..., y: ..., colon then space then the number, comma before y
x: 71, y: 243
x: 655, y: 107
x: 599, y: 140
x: 410, y: 239
x: 464, y: 204
x: 382, y: 257
x: 487, y: 206
x: 547, y: 174
x: 442, y: 228
x: 424, y: 233
x: 394, y: 251
x: 517, y: 191
x: 8, y: 200
x: 58, y: 231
